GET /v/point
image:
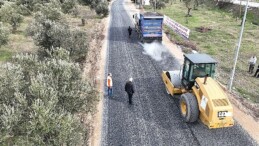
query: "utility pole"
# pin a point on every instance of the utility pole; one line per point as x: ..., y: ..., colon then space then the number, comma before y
x: 240, y: 9
x: 238, y: 47
x: 155, y: 6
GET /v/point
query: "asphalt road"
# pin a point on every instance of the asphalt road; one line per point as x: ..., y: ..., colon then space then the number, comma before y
x: 155, y: 118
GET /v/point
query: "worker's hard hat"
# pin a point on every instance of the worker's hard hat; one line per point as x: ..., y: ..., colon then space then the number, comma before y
x: 131, y: 79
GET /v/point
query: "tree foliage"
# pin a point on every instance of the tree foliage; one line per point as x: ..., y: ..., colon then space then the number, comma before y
x: 68, y: 5
x: 23, y: 10
x: 87, y: 2
x: 9, y: 13
x: 40, y: 101
x: 50, y: 11
x: 49, y: 34
x: 4, y: 33
x: 189, y: 5
x: 158, y: 4
x: 31, y: 4
x: 102, y: 9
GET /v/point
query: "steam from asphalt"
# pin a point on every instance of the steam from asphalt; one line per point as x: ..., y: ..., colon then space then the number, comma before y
x: 155, y: 50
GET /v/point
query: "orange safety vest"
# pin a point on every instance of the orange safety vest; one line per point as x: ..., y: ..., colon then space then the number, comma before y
x: 109, y: 81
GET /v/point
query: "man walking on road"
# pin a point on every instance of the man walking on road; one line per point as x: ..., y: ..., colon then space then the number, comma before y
x: 109, y: 84
x: 252, y: 63
x: 129, y: 30
x: 129, y: 88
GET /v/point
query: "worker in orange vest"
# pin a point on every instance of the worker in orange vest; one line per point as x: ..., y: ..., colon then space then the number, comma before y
x: 109, y: 84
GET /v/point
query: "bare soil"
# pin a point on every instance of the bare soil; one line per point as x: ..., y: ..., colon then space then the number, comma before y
x: 96, y: 71
x: 202, y: 29
x: 95, y: 68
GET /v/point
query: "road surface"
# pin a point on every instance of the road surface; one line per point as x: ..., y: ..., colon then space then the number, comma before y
x: 154, y: 119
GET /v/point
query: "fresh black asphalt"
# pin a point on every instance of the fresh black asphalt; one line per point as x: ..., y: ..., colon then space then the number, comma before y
x: 154, y: 119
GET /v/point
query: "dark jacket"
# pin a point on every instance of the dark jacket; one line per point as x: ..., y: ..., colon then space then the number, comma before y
x: 129, y: 87
x: 129, y: 30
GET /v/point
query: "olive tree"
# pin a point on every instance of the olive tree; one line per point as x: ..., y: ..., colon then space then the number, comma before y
x: 41, y: 100
x: 51, y: 12
x: 48, y: 34
x: 31, y: 4
x: 10, y: 15
x: 68, y: 5
x: 158, y: 4
x: 102, y: 9
x: 189, y: 5
x: 4, y: 33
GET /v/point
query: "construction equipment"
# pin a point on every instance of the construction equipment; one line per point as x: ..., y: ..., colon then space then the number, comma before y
x: 149, y: 26
x: 201, y: 96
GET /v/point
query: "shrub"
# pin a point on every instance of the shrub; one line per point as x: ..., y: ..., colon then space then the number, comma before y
x: 75, y: 11
x: 23, y: 10
x: 165, y: 1
x: 51, y: 12
x: 4, y: 33
x: 102, y: 9
x: 48, y: 34
x: 40, y: 101
x: 94, y: 4
x: 1, y: 3
x: 30, y: 4
x: 160, y: 5
x: 68, y: 5
x: 10, y: 15
x: 76, y: 44
x: 87, y: 2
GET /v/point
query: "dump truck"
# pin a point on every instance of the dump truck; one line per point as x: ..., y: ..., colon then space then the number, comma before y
x: 201, y: 96
x: 149, y: 26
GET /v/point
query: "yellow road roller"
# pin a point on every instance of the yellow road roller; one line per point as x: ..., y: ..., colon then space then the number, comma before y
x: 201, y: 96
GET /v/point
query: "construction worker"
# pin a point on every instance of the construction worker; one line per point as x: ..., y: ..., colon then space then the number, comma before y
x: 109, y: 84
x: 129, y: 88
x: 129, y: 30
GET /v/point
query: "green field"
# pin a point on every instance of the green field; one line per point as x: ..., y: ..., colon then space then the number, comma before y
x: 221, y: 42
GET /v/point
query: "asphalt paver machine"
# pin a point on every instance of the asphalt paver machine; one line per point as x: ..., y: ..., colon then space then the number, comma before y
x: 200, y: 95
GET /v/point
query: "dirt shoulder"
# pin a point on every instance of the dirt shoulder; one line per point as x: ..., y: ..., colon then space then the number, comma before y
x: 96, y: 135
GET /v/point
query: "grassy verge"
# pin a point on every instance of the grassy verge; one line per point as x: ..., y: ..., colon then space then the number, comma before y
x: 221, y: 42
x: 5, y: 55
